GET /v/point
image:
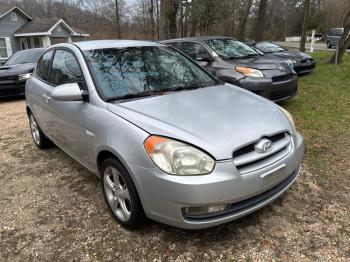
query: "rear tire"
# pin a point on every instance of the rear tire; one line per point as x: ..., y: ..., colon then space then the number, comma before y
x: 40, y: 140
x: 121, y: 195
x: 329, y: 45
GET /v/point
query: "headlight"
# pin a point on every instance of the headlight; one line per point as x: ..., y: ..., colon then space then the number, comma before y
x: 249, y: 71
x: 24, y: 76
x: 290, y: 118
x: 291, y: 62
x: 177, y: 158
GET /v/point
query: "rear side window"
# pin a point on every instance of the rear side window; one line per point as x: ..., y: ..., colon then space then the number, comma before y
x: 65, y: 68
x: 339, y: 32
x: 194, y: 50
x: 42, y: 68
x: 176, y: 45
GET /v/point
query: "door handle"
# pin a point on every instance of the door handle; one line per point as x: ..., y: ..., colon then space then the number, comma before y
x: 47, y: 97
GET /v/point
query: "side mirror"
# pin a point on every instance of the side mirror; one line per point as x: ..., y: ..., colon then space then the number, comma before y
x: 67, y: 92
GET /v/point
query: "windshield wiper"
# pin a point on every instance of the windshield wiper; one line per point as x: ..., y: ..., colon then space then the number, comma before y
x: 251, y: 55
x: 131, y: 96
x: 191, y: 87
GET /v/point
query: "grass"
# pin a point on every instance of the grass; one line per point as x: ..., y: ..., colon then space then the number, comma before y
x: 322, y: 114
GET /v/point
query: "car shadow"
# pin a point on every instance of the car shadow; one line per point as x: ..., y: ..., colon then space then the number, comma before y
x: 11, y: 99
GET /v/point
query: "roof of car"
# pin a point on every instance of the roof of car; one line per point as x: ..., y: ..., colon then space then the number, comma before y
x: 100, y: 44
x: 197, y: 38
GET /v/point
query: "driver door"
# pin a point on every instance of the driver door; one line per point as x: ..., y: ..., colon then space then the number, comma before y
x: 70, y: 119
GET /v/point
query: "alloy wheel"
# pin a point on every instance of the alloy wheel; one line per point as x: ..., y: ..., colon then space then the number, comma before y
x: 117, y: 193
x: 34, y: 129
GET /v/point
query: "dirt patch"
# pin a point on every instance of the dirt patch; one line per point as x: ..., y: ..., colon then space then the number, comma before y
x: 52, y: 209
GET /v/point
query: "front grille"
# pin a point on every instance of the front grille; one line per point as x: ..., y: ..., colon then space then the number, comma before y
x: 306, y: 61
x: 277, y: 95
x: 246, y: 159
x: 8, y: 78
x: 249, y: 203
x: 282, y: 78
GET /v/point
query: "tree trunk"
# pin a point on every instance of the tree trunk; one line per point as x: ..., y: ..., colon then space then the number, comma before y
x: 158, y: 20
x: 344, y: 41
x: 168, y: 11
x: 187, y: 7
x: 144, y: 19
x: 305, y: 25
x: 151, y: 14
x: 172, y: 18
x: 260, y: 21
x: 233, y: 17
x: 243, y: 19
x: 181, y: 19
x: 117, y: 19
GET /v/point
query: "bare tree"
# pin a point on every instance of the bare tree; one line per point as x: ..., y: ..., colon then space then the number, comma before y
x: 344, y: 41
x: 117, y: 19
x: 305, y: 25
x: 244, y: 18
x: 260, y: 21
x: 158, y: 20
x: 151, y: 14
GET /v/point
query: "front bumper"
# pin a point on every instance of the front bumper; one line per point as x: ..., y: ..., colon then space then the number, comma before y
x: 275, y: 89
x: 12, y: 88
x: 164, y: 197
x: 304, y: 67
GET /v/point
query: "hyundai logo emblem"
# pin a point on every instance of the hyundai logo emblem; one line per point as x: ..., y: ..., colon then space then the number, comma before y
x: 263, y: 146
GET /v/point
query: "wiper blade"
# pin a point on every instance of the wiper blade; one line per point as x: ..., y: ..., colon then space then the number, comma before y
x: 191, y: 87
x: 233, y: 57
x: 130, y: 96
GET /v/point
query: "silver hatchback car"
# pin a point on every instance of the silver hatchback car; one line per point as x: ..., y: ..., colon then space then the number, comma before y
x: 169, y: 141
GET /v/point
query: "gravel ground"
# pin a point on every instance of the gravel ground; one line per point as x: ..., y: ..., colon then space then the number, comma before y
x: 51, y: 208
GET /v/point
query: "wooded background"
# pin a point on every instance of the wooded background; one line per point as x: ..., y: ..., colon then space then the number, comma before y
x: 163, y: 19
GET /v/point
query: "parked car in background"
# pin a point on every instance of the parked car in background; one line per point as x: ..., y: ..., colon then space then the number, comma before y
x: 236, y: 63
x: 333, y: 37
x: 169, y: 140
x: 16, y: 70
x: 302, y: 63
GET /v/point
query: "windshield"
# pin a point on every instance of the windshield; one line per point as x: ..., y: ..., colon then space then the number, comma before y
x: 23, y: 57
x: 269, y: 47
x: 230, y: 48
x: 123, y: 73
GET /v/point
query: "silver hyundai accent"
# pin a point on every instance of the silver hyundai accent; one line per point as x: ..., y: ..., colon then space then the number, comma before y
x: 169, y: 141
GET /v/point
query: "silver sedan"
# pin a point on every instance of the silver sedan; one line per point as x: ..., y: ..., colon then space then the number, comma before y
x: 169, y: 141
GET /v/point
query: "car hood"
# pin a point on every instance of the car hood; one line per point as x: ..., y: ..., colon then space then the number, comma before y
x: 298, y: 56
x: 263, y: 62
x: 218, y: 119
x: 13, y: 70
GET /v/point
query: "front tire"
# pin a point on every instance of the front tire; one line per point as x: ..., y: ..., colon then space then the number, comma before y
x: 121, y: 195
x: 40, y: 140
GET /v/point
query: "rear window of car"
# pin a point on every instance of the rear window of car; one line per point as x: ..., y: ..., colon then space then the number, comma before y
x: 176, y: 45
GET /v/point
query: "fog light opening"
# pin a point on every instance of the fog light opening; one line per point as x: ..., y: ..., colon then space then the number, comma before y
x: 200, y: 211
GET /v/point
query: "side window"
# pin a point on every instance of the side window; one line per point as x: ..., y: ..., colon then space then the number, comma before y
x: 174, y: 44
x: 194, y: 50
x: 339, y: 32
x: 331, y: 32
x: 65, y: 68
x: 43, y: 66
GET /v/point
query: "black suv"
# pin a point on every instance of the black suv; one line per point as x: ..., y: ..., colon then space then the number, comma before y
x: 236, y: 63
